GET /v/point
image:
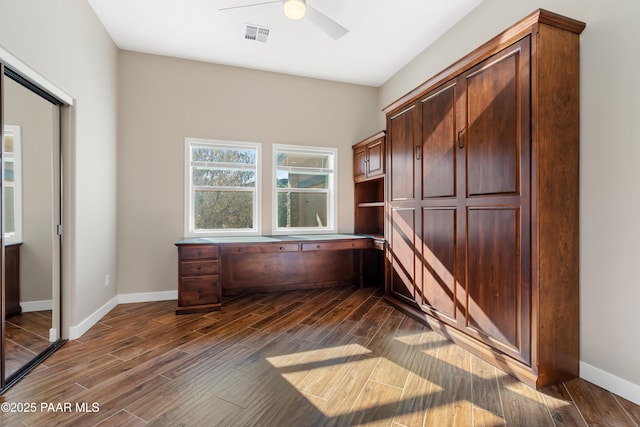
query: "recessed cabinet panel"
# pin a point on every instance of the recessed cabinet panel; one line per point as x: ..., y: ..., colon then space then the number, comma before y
x: 493, y: 129
x: 403, y: 262
x: 359, y: 164
x: 375, y: 162
x: 439, y: 144
x: 438, y: 258
x: 494, y: 277
x: 401, y: 139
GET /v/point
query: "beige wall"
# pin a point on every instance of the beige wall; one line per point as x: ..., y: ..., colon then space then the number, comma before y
x: 609, y: 159
x: 64, y: 42
x: 163, y: 100
x: 35, y: 116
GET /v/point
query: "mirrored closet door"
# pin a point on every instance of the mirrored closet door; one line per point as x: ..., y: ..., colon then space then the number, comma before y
x: 31, y: 212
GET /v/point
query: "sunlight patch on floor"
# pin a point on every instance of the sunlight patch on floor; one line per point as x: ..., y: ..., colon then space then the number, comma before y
x: 327, y: 376
x: 318, y: 355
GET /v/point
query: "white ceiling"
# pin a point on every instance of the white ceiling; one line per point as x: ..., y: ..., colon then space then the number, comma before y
x: 384, y: 35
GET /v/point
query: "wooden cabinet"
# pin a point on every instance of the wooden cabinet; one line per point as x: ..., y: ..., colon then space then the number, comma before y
x: 368, y: 175
x: 12, y: 280
x: 368, y: 158
x: 369, y: 190
x: 198, y: 279
x: 483, y: 200
x: 208, y: 268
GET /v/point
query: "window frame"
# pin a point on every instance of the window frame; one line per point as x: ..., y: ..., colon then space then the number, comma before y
x: 189, y: 192
x: 16, y: 159
x: 332, y: 188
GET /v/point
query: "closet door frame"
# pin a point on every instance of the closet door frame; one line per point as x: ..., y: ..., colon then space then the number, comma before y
x: 12, y: 67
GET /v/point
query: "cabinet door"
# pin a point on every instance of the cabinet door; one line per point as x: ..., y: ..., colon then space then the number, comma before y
x: 375, y: 158
x: 440, y: 280
x: 402, y: 253
x: 497, y: 152
x: 359, y: 164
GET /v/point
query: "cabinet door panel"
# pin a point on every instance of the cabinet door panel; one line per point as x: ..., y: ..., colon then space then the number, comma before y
x: 401, y: 139
x: 359, y: 164
x: 375, y: 160
x: 439, y: 143
x: 494, y: 94
x: 438, y: 260
x: 403, y: 251
x: 493, y: 266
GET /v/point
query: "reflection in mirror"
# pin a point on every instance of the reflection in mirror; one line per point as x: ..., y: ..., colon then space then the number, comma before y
x: 12, y: 185
x: 31, y: 209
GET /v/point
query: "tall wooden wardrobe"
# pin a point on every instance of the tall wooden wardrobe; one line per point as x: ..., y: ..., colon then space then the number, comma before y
x: 482, y: 209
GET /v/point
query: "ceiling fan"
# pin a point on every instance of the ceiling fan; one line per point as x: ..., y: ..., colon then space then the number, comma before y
x: 298, y: 9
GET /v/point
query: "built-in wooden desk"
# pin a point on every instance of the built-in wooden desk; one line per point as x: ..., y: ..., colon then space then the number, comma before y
x: 209, y: 267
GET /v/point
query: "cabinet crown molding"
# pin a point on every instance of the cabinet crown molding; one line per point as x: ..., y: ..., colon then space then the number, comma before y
x: 525, y: 26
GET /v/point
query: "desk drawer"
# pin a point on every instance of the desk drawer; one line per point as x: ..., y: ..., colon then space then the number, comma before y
x: 199, y: 252
x: 259, y: 249
x: 199, y: 291
x: 336, y: 246
x: 198, y: 268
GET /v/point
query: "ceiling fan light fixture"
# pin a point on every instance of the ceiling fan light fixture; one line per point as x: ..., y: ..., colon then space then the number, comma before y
x: 294, y: 9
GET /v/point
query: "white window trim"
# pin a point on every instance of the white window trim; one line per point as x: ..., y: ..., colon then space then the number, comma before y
x: 332, y: 209
x: 188, y: 193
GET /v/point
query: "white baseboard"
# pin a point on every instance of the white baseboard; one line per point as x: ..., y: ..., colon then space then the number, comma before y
x: 29, y: 306
x: 147, y: 297
x: 608, y: 381
x: 76, y: 332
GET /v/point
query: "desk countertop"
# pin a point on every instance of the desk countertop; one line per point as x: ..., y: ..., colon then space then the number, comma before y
x: 268, y: 239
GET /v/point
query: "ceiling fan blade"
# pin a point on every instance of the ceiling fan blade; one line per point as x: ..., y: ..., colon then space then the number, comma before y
x: 251, y: 5
x: 326, y: 24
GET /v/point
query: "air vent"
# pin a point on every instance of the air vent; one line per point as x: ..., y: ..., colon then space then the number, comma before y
x: 257, y: 33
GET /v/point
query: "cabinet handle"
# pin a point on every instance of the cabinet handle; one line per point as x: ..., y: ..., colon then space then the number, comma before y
x: 418, y: 149
x: 281, y: 248
x: 460, y: 141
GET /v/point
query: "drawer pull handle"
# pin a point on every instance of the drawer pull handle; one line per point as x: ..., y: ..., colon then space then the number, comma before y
x: 199, y: 267
x: 199, y: 252
x: 317, y: 246
x: 281, y: 248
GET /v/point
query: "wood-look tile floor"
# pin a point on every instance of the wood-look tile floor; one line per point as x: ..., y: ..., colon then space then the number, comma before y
x: 26, y: 336
x: 333, y: 357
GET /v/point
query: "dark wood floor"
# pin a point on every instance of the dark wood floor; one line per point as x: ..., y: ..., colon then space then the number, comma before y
x: 26, y: 336
x: 314, y: 358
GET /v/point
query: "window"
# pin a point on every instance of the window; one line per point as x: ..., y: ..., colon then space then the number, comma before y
x: 304, y: 189
x: 222, y: 188
x: 12, y: 184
